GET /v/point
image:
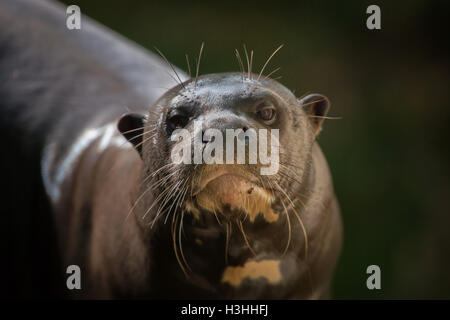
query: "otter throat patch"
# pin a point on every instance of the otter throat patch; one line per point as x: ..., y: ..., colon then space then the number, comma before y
x: 266, y: 269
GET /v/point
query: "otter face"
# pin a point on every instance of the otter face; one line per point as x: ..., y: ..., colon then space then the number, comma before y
x: 231, y: 163
x: 204, y: 146
x: 224, y: 151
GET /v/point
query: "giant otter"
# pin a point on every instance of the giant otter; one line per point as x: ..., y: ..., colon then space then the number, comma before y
x: 90, y: 111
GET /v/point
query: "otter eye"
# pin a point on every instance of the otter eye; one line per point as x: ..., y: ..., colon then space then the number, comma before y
x: 266, y: 114
x: 177, y: 121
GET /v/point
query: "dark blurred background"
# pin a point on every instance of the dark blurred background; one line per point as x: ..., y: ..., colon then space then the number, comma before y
x: 388, y: 153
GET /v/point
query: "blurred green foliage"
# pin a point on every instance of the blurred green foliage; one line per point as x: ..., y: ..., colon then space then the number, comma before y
x: 389, y: 153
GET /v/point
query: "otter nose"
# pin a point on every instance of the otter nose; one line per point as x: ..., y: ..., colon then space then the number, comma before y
x: 231, y: 122
x: 225, y: 121
x: 229, y: 139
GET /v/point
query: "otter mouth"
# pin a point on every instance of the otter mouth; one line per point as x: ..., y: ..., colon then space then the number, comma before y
x: 224, y: 188
x: 226, y: 177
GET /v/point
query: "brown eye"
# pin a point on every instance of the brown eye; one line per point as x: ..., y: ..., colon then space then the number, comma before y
x: 266, y: 114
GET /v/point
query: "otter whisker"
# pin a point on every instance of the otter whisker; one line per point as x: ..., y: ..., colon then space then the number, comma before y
x: 145, y: 140
x: 287, y: 162
x: 167, y: 196
x: 241, y: 227
x: 227, y: 240
x: 241, y: 65
x: 179, y: 200
x: 192, y: 187
x: 139, y: 135
x: 133, y: 130
x: 174, y: 224
x: 217, y: 218
x: 151, y: 187
x: 171, y: 66
x: 303, y: 95
x: 115, y: 164
x: 137, y: 201
x: 148, y: 176
x: 180, y: 228
x: 246, y: 205
x: 165, y: 70
x: 161, y: 180
x: 288, y: 176
x: 272, y: 72
x: 163, y: 193
x: 188, y: 65
x: 268, y: 60
x: 198, y: 63
x: 306, y: 239
x: 288, y: 219
x: 164, y: 179
x: 175, y: 200
x: 248, y: 61
x: 289, y: 227
x: 289, y: 165
x: 326, y: 117
x: 298, y: 217
x: 312, y: 102
x: 251, y: 65
x: 184, y: 195
x: 154, y: 173
x: 136, y: 137
x: 180, y: 242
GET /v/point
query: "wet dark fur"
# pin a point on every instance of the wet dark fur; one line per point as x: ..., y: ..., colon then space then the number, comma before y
x: 49, y: 76
x: 54, y: 83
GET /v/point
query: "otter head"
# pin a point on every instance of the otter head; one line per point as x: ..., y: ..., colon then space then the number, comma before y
x: 191, y: 145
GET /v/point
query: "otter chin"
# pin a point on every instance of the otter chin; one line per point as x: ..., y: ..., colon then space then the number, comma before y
x: 226, y: 191
x: 229, y: 189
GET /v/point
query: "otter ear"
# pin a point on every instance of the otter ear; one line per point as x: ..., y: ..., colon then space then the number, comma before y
x: 131, y: 125
x: 316, y: 107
